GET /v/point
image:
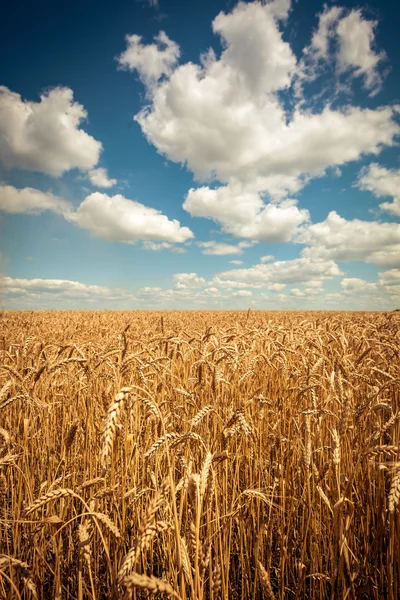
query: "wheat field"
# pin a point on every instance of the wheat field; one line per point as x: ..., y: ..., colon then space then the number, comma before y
x: 199, y: 455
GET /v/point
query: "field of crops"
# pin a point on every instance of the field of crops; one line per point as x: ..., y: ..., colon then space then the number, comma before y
x: 199, y: 455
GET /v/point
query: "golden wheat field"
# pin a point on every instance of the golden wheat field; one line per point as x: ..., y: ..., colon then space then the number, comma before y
x: 199, y: 455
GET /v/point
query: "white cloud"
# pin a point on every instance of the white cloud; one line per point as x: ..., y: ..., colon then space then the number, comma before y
x: 230, y: 284
x: 151, y: 61
x: 186, y: 292
x: 297, y: 293
x: 55, y: 288
x: 244, y: 214
x: 147, y: 292
x: 355, y: 285
x: 298, y: 270
x: 188, y: 281
x: 236, y: 262
x: 356, y: 53
x: 323, y: 35
x: 113, y: 218
x: 45, y: 136
x: 343, y: 40
x: 313, y: 291
x: 386, y: 289
x: 382, y: 183
x: 315, y: 283
x: 158, y: 246
x: 212, y: 291
x: 31, y: 201
x: 355, y: 240
x: 391, y: 277
x: 276, y: 287
x: 267, y: 258
x: 99, y: 178
x: 262, y: 61
x: 242, y: 294
x: 222, y: 249
x: 117, y: 219
x: 225, y: 120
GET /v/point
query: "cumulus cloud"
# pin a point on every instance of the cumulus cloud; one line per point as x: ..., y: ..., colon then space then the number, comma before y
x: 242, y: 294
x: 149, y: 292
x: 222, y: 249
x: 244, y: 213
x: 151, y: 61
x: 298, y: 270
x: 45, y: 136
x: 354, y: 284
x: 99, y: 178
x: 391, y: 277
x: 158, y: 246
x: 224, y: 282
x: 212, y: 291
x: 31, y: 201
x: 339, y: 239
x: 345, y: 41
x: 313, y: 291
x: 382, y: 183
x: 276, y: 287
x: 356, y: 53
x: 190, y: 289
x: 188, y: 281
x: 236, y: 262
x: 297, y: 293
x: 117, y: 219
x: 267, y: 258
x: 225, y: 119
x: 59, y: 288
x: 386, y: 288
x: 323, y: 35
x: 113, y: 218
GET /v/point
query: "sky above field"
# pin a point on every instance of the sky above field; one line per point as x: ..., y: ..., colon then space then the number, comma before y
x: 173, y: 154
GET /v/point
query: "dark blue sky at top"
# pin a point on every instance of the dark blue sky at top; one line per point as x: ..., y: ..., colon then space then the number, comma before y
x: 74, y: 44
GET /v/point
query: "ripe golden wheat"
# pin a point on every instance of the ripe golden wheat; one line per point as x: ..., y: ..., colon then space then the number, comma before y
x: 199, y: 455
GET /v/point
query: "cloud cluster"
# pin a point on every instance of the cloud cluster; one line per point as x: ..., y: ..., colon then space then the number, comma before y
x: 222, y: 248
x: 245, y: 288
x: 112, y: 218
x: 117, y: 219
x: 386, y: 288
x: 242, y: 294
x: 382, y: 183
x: 30, y: 201
x: 151, y: 61
x: 352, y: 240
x: 244, y: 214
x: 99, y: 178
x: 279, y: 273
x: 188, y: 281
x: 45, y: 136
x: 59, y: 288
x: 195, y: 294
x: 224, y: 118
x: 345, y: 41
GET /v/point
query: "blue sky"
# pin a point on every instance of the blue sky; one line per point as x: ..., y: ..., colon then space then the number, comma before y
x: 200, y: 155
